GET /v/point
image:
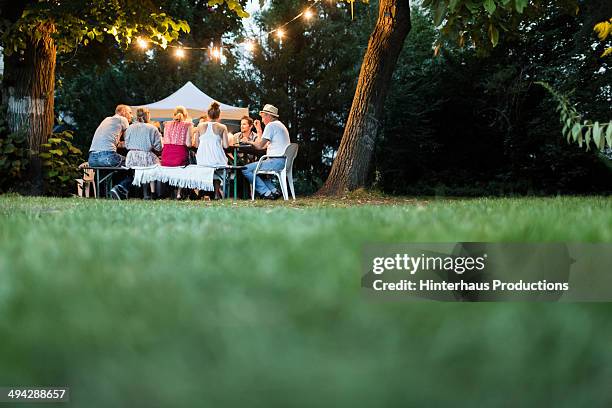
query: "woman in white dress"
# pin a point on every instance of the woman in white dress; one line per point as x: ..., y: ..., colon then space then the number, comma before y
x: 211, y: 139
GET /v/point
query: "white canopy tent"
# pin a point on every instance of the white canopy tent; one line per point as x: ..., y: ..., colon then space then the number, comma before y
x: 196, y: 102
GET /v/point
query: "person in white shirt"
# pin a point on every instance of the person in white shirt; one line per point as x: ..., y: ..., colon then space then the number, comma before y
x: 211, y: 139
x: 274, y: 138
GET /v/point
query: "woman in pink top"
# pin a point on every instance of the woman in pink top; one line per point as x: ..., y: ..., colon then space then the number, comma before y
x: 177, y: 139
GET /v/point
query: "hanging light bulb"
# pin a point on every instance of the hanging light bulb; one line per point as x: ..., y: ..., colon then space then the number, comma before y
x: 142, y: 43
x: 280, y: 33
x: 249, y: 46
x: 216, y: 53
x: 308, y: 14
x: 180, y: 53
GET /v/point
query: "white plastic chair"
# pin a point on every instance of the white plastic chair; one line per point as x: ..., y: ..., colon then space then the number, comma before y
x: 285, y: 175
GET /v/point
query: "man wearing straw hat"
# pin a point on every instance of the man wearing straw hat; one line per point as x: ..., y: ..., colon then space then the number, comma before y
x: 274, y: 138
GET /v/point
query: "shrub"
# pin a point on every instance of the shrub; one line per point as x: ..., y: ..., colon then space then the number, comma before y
x: 13, y: 157
x: 60, y: 163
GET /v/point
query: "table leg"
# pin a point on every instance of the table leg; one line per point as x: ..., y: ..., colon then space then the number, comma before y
x: 97, y: 182
x: 235, y: 173
x: 225, y: 187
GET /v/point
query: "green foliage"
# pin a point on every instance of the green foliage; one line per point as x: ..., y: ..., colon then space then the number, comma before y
x: 604, y: 30
x: 60, y: 162
x: 577, y: 129
x: 233, y: 5
x: 466, y: 124
x: 13, y: 157
x: 71, y: 24
x: 484, y: 21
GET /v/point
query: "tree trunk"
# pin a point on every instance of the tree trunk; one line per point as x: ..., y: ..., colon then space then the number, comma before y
x: 352, y: 163
x: 29, y: 84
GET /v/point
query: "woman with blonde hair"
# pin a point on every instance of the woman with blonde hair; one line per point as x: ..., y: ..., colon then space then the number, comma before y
x: 211, y: 139
x: 177, y: 139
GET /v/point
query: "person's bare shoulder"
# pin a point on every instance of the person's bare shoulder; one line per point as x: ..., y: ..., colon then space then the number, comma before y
x: 220, y: 127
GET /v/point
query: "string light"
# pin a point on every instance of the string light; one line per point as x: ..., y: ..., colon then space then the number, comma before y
x: 142, y: 43
x: 249, y: 44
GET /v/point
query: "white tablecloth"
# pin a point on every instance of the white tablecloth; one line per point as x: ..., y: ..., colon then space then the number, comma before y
x: 191, y: 176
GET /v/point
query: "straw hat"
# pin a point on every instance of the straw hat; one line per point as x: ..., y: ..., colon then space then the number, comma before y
x: 270, y: 110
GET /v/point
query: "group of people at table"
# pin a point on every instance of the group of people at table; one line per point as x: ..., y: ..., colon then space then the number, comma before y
x: 144, y: 142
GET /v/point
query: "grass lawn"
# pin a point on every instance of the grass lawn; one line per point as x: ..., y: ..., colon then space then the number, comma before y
x: 189, y: 304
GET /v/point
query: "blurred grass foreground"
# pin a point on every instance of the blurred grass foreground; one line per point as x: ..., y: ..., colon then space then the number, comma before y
x: 195, y: 304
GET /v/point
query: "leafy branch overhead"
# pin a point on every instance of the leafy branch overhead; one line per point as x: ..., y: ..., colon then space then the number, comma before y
x: 71, y: 24
x: 575, y: 128
x: 604, y: 30
x: 484, y: 22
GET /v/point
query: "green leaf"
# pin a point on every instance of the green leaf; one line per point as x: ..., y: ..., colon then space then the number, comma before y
x: 472, y: 6
x: 54, y: 140
x: 597, y: 135
x: 493, y: 35
x: 609, y: 134
x: 440, y: 13
x: 520, y: 5
x: 490, y: 6
x: 587, y: 138
x: 576, y: 130
x: 453, y: 5
x: 56, y: 152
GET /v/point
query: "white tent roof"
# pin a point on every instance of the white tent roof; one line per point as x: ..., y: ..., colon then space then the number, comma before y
x: 196, y: 102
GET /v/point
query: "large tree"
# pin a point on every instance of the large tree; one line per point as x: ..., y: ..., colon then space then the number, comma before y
x: 352, y: 162
x: 481, y: 22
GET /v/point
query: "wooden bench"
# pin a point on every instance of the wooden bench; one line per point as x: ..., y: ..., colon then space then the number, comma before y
x: 101, y: 178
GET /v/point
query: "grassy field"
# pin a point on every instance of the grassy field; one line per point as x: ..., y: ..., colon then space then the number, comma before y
x: 184, y: 304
